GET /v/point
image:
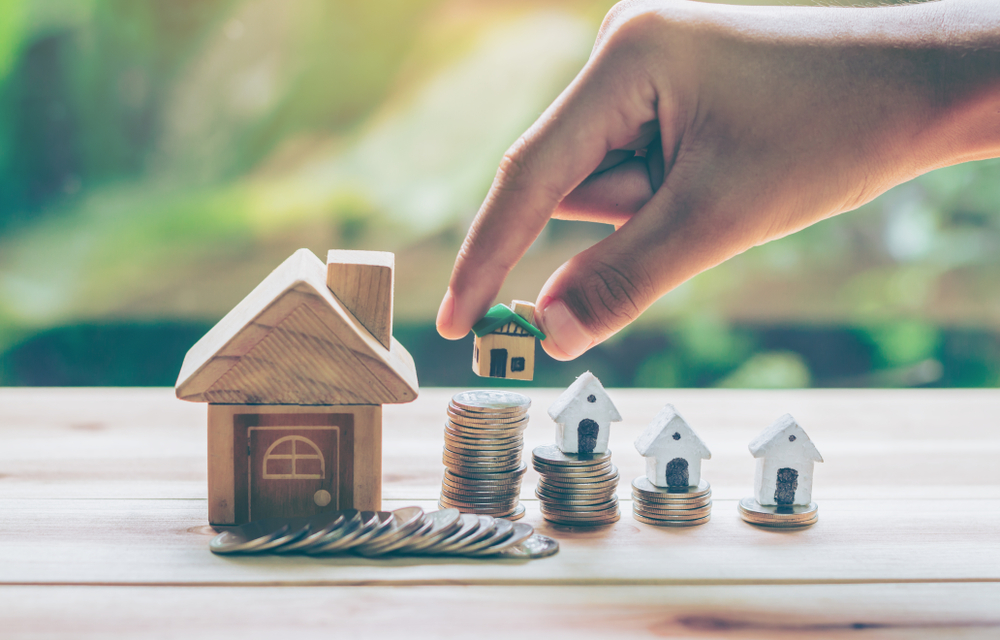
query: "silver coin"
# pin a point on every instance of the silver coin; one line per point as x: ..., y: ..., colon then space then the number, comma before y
x: 785, y: 525
x: 463, y: 446
x: 536, y: 546
x: 350, y: 525
x: 487, y: 508
x: 582, y: 475
x: 670, y: 523
x: 405, y: 522
x: 574, y: 500
x: 492, y: 400
x: 483, y: 434
x: 558, y: 484
x: 369, y: 521
x: 443, y: 523
x: 669, y: 503
x: 372, y: 531
x: 551, y: 455
x: 648, y: 489
x: 580, y: 508
x: 501, y: 531
x: 516, y: 514
x: 673, y: 514
x: 484, y: 527
x: 504, y: 512
x: 316, y: 527
x: 750, y: 508
x: 249, y: 537
x: 586, y: 522
x: 519, y: 534
x: 488, y: 421
x: 579, y: 515
x: 468, y: 524
x: 470, y: 475
x: 481, y: 485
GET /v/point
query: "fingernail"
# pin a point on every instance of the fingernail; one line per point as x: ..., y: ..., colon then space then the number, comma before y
x: 446, y: 311
x: 563, y: 329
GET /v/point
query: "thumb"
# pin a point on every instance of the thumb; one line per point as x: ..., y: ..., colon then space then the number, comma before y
x: 601, y: 290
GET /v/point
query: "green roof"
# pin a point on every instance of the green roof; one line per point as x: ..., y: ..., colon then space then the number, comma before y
x: 500, y: 315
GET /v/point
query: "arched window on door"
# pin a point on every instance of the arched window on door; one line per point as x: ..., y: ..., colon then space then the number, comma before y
x: 294, y: 458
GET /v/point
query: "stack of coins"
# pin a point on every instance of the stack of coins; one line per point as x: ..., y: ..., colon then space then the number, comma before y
x: 406, y: 531
x: 483, y: 439
x: 792, y: 516
x: 576, y: 489
x: 671, y: 506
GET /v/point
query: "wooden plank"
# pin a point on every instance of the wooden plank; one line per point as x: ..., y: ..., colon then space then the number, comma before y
x: 571, y: 613
x: 120, y: 443
x: 166, y: 541
x: 363, y: 282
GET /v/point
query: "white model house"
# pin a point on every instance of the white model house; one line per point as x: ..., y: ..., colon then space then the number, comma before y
x: 785, y: 457
x: 583, y: 415
x: 673, y: 451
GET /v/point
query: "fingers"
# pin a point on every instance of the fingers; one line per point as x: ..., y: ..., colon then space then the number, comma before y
x: 601, y: 290
x: 558, y: 152
x: 612, y: 196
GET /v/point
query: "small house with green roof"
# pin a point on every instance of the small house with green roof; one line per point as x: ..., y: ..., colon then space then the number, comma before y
x: 505, y: 342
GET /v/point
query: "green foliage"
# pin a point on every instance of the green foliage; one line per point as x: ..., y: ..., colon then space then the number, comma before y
x: 770, y: 370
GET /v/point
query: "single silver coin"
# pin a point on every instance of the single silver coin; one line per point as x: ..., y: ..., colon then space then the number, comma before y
x: 373, y: 529
x: 793, y: 515
x: 316, y: 527
x: 484, y: 528
x: 670, y: 523
x: 502, y: 530
x: 551, y: 454
x: 520, y: 533
x: 469, y: 522
x: 536, y: 546
x: 491, y: 400
x: 405, y: 521
x: 670, y: 503
x: 561, y: 484
x: 443, y: 523
x: 645, y: 487
x: 250, y: 537
x: 368, y: 521
x: 584, y: 522
x: 673, y: 514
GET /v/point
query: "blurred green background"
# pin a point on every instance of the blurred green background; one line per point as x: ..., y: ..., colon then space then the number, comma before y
x: 159, y: 157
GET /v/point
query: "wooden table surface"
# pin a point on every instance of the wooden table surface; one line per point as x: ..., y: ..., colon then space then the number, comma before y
x: 103, y: 530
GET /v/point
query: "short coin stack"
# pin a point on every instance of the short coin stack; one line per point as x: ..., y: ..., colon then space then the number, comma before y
x: 483, y: 439
x: 576, y: 489
x: 406, y: 531
x: 671, y: 506
x: 779, y: 516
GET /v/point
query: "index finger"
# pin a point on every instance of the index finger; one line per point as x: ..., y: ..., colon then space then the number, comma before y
x: 556, y: 154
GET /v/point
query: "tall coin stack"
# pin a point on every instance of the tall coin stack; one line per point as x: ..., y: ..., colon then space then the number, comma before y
x: 483, y: 439
x: 671, y: 506
x: 576, y: 489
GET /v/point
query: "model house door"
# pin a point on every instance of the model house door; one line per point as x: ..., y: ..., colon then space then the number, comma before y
x: 677, y: 473
x: 498, y: 363
x: 293, y: 471
x: 788, y: 482
x: 586, y: 436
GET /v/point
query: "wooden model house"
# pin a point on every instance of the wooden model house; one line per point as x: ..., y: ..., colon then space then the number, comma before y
x: 583, y: 415
x: 785, y: 457
x: 505, y: 342
x: 295, y: 377
x: 672, y: 449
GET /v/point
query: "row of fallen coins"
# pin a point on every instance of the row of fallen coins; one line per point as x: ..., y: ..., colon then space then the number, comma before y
x: 778, y: 516
x: 671, y: 506
x: 576, y: 489
x: 483, y: 439
x: 406, y: 531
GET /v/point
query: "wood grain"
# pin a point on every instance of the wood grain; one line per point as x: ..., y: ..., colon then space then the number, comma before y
x: 291, y: 341
x: 363, y: 281
x: 103, y: 491
x: 906, y: 611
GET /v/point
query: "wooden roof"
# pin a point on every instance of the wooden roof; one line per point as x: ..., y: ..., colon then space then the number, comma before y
x: 291, y: 341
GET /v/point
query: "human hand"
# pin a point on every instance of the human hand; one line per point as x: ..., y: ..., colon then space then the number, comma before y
x: 701, y: 130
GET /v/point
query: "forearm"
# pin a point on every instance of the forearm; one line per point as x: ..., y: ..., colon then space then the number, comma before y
x: 936, y: 64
